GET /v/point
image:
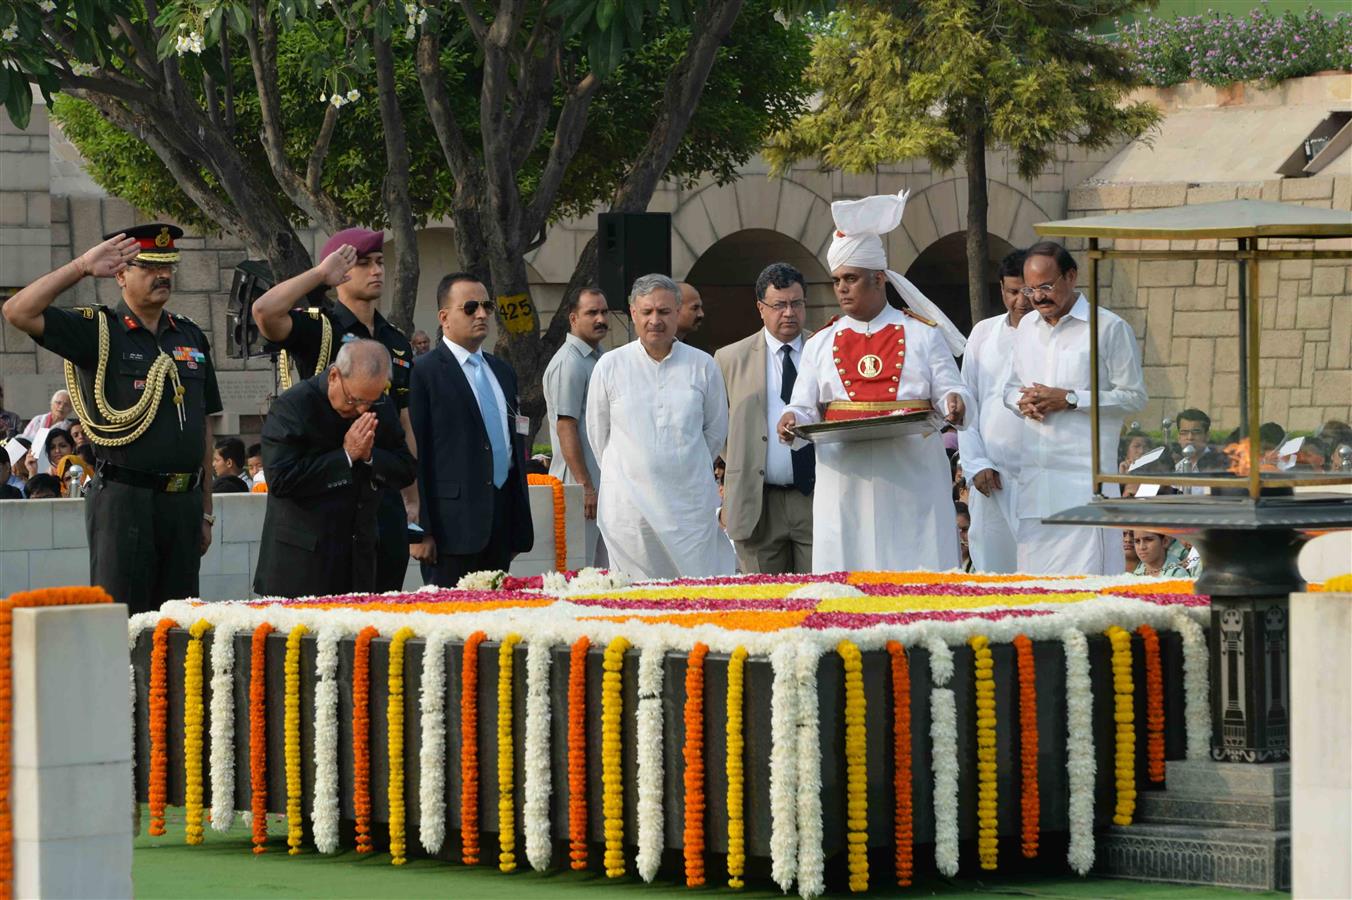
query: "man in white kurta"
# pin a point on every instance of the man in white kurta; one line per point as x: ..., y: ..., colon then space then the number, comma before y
x: 882, y: 504
x: 989, y: 449
x: 1048, y: 386
x: 657, y: 415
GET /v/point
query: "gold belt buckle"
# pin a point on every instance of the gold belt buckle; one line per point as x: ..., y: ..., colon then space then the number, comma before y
x: 178, y: 483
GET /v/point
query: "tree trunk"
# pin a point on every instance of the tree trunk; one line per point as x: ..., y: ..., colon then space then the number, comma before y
x: 978, y: 244
x: 398, y: 204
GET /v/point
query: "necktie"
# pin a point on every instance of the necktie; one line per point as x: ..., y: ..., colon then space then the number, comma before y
x: 493, y: 424
x: 804, y: 460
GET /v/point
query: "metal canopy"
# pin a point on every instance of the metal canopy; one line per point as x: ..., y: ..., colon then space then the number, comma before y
x: 1226, y: 219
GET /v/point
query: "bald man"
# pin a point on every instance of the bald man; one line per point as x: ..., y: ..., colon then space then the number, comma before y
x: 690, y: 314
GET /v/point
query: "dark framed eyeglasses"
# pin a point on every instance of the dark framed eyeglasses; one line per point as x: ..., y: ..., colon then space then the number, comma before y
x: 472, y: 306
x: 355, y: 402
x: 782, y: 307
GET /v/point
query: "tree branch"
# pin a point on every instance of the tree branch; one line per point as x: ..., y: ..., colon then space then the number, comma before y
x: 314, y: 169
x: 477, y: 26
x: 395, y: 190
x: 142, y: 50
x: 449, y: 134
x: 567, y: 139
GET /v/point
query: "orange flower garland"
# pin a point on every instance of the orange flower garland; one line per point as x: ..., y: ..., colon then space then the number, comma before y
x: 577, y: 753
x: 693, y: 753
x: 1029, y: 801
x: 258, y: 736
x: 901, y: 762
x: 361, y: 737
x: 159, y: 724
x: 1154, y: 704
x: 560, y: 536
x: 469, y: 749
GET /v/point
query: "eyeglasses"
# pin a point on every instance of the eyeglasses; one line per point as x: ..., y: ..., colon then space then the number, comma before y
x: 781, y: 308
x: 171, y: 268
x: 472, y: 306
x: 354, y: 402
x: 1042, y: 290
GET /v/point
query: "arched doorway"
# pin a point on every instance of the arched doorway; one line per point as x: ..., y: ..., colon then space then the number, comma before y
x: 725, y: 275
x: 940, y: 271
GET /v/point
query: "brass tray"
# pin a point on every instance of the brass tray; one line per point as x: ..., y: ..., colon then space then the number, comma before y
x: 875, y: 428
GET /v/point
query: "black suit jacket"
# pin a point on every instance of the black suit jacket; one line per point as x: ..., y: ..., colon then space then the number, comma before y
x: 319, y: 535
x: 455, y: 461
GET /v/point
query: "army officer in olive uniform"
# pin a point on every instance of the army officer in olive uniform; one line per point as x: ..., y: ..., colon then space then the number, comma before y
x: 352, y: 262
x: 149, y: 520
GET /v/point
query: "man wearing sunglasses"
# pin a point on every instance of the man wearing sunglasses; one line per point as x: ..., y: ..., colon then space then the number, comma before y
x: 352, y: 263
x: 465, y: 409
x: 332, y: 446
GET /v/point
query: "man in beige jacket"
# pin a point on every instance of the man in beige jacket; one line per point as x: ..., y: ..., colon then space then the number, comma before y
x: 768, y: 487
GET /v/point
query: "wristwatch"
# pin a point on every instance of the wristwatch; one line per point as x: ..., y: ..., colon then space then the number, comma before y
x: 1072, y: 399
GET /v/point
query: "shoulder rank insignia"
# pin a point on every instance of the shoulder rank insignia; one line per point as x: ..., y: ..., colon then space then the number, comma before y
x: 86, y: 311
x: 919, y: 318
x: 314, y: 312
x: 398, y: 352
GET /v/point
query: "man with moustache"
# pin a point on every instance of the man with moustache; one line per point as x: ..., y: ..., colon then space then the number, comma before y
x: 989, y: 450
x: 882, y: 504
x: 329, y: 445
x: 1048, y: 386
x: 657, y: 416
x: 565, y: 389
x: 471, y: 436
x: 767, y: 488
x: 691, y: 314
x: 352, y: 262
x: 147, y: 516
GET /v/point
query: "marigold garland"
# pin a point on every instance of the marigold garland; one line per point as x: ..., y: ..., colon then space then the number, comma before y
x: 560, y: 535
x: 1154, y: 704
x: 693, y: 754
x: 1029, y: 800
x: 361, y: 736
x: 258, y: 736
x: 856, y: 767
x: 903, y: 817
x: 577, y: 753
x: 506, y: 758
x: 469, y: 749
x: 1124, y: 757
x: 612, y: 785
x: 394, y: 720
x: 988, y: 834
x: 159, y: 724
x: 193, y: 717
x: 734, y: 769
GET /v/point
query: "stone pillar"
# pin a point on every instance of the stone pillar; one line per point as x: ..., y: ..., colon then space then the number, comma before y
x: 1321, y: 744
x: 72, y: 752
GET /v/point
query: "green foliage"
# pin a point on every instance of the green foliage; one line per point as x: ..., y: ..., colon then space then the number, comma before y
x: 908, y: 79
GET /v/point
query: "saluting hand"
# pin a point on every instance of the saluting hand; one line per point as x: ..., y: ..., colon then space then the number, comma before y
x: 107, y: 259
x: 361, y: 437
x: 335, y: 266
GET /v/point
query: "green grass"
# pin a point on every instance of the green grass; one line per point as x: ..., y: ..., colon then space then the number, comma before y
x: 224, y: 867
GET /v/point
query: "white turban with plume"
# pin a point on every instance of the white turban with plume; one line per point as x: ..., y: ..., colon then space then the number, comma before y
x: 858, y: 241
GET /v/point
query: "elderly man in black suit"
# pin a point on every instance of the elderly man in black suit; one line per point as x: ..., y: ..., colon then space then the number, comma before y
x: 471, y: 439
x: 330, y: 445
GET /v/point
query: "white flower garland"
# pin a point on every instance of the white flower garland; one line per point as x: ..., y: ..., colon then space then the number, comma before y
x: 824, y: 590
x: 1196, y: 687
x: 783, y: 768
x: 1080, y: 765
x: 486, y: 580
x: 222, y: 728
x: 432, y: 751
x: 944, y: 753
x: 811, y: 861
x: 324, y: 814
x: 538, y: 783
x: 648, y: 737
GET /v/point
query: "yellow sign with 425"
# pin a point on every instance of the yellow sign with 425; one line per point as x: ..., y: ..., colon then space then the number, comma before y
x: 518, y: 313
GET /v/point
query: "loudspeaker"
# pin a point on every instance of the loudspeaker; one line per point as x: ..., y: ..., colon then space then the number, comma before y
x: 253, y: 278
x: 630, y: 245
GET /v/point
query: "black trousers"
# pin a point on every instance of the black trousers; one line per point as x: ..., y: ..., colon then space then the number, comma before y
x: 496, y: 554
x: 144, y: 545
x: 391, y: 542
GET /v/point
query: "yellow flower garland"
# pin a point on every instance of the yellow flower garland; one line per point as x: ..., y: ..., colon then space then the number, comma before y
x: 295, y: 822
x: 612, y: 785
x: 192, y: 733
x: 506, y: 758
x: 856, y: 767
x: 733, y: 767
x: 988, y: 834
x: 1124, y: 757
x: 394, y: 721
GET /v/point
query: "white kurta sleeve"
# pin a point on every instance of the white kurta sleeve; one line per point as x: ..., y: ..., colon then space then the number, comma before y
x: 971, y: 445
x: 598, y: 409
x: 805, y: 403
x: 715, y: 408
x: 945, y: 381
x: 1121, y: 357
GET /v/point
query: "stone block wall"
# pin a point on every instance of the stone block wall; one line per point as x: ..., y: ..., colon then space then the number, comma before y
x: 1185, y: 313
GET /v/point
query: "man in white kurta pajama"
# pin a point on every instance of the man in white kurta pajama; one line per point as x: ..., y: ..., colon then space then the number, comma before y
x: 882, y: 504
x: 657, y: 415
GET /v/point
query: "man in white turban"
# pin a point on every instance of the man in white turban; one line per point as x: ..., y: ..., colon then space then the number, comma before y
x: 883, y: 504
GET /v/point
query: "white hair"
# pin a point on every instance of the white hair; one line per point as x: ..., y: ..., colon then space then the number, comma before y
x: 648, y: 284
x: 363, y: 359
